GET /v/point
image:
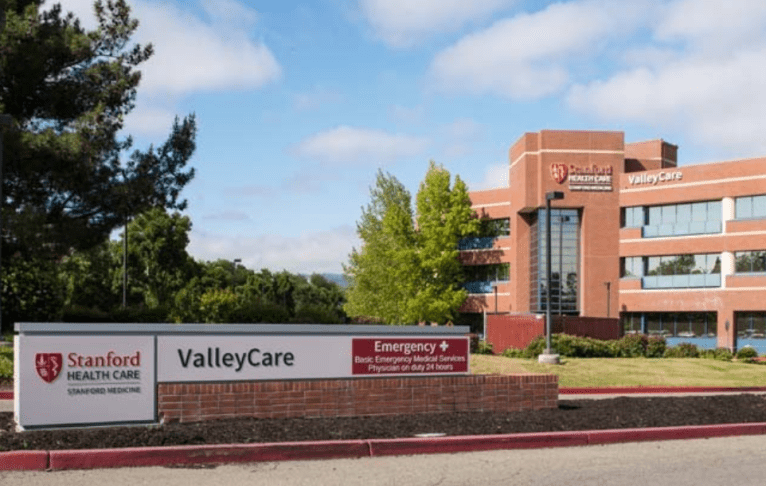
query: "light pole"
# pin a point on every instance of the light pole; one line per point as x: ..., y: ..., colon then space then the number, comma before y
x: 548, y: 356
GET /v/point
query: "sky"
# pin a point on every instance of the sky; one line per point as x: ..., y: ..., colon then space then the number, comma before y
x: 300, y: 103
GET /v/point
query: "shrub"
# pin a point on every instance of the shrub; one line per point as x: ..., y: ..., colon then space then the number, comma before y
x: 747, y: 353
x: 630, y: 346
x: 6, y: 367
x: 536, y: 347
x: 683, y: 350
x: 483, y: 347
x: 721, y: 354
x: 655, y: 347
x: 513, y: 353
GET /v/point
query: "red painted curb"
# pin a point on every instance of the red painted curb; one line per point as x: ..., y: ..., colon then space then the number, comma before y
x: 210, y: 454
x: 24, y: 461
x: 219, y: 454
x: 437, y: 445
x: 674, y: 433
x: 658, y: 389
x: 6, y: 395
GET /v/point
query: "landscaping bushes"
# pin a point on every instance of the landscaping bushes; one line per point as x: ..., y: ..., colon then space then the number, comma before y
x: 630, y: 346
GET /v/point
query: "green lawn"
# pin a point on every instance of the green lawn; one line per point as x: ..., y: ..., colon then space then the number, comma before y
x: 581, y: 372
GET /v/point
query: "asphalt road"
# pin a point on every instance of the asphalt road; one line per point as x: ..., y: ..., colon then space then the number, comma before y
x: 737, y: 460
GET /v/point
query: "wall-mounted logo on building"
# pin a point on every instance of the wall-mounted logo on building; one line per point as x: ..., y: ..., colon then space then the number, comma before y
x: 590, y: 178
x: 48, y: 366
x: 559, y: 172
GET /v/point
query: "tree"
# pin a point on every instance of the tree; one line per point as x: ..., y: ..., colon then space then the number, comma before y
x: 381, y: 273
x: 444, y: 216
x: 403, y: 274
x: 158, y: 263
x: 68, y: 91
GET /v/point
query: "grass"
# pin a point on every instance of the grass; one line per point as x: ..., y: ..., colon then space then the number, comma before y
x: 597, y: 372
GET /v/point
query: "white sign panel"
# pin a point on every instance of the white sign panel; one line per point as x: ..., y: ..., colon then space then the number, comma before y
x: 84, y: 380
x: 251, y: 357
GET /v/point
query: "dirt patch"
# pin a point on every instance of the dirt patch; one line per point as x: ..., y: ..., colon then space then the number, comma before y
x: 616, y: 413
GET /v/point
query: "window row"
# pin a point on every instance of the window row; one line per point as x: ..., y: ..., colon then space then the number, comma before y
x: 499, y: 272
x: 744, y: 262
x: 671, y: 324
x: 750, y: 207
x: 694, y: 264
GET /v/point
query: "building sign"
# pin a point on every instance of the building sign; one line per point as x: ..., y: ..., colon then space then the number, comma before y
x: 653, y: 179
x: 234, y: 358
x: 84, y: 380
x: 97, y: 374
x: 390, y: 356
x: 593, y: 178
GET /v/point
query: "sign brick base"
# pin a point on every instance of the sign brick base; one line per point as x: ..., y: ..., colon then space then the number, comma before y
x: 196, y: 402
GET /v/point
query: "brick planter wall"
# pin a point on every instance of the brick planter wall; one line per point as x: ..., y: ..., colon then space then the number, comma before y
x: 195, y: 402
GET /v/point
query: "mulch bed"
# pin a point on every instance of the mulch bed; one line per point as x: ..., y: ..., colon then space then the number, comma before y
x: 571, y: 415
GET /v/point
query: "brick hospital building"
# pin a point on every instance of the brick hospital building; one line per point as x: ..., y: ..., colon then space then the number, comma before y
x: 678, y: 251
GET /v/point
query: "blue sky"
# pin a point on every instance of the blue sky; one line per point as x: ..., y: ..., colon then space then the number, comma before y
x: 299, y: 103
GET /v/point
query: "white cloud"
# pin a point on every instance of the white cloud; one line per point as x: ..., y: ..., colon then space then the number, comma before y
x: 191, y: 55
x: 526, y: 56
x: 320, y: 252
x: 362, y: 146
x: 495, y: 176
x: 703, y: 75
x: 402, y: 23
x: 717, y: 25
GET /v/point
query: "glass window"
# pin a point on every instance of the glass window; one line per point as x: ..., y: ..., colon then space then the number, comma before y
x: 750, y: 261
x: 714, y: 211
x: 684, y: 213
x: 668, y: 214
x: 750, y: 207
x: 699, y: 211
x: 759, y: 206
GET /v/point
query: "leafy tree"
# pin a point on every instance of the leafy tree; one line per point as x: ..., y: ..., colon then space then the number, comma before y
x: 158, y: 264
x: 68, y: 91
x: 86, y: 277
x: 444, y: 216
x: 403, y: 274
x: 381, y: 274
x: 66, y: 184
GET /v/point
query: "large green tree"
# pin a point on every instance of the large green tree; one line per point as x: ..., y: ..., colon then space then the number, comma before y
x: 444, y: 217
x: 407, y: 272
x: 381, y: 273
x: 68, y: 179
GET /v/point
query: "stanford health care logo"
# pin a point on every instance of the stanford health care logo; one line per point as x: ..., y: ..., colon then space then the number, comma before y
x: 559, y: 172
x: 48, y: 365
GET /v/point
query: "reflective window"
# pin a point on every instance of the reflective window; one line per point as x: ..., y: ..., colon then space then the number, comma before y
x: 750, y: 325
x: 750, y: 207
x: 683, y: 219
x: 564, y: 261
x: 750, y: 261
x: 686, y: 325
x: 632, y: 267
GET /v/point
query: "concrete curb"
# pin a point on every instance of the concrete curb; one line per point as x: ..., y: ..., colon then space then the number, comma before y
x: 223, y: 454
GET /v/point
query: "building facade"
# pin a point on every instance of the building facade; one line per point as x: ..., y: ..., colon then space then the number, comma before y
x: 672, y: 251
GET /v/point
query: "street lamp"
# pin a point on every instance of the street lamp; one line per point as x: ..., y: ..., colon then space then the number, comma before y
x: 548, y: 356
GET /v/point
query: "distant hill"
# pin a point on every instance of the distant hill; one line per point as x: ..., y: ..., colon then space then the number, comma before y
x: 338, y: 278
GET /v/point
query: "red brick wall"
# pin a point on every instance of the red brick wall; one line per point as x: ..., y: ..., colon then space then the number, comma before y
x: 196, y: 402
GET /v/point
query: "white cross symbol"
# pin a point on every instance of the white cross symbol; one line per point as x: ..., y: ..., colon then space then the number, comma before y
x: 444, y: 346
